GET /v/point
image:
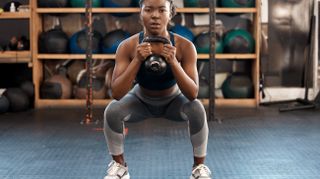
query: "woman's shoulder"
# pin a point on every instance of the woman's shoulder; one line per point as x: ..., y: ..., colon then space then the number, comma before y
x: 183, y: 43
x: 130, y: 41
x: 127, y: 46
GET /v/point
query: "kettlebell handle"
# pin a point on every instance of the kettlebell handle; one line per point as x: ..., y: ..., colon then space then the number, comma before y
x: 158, y: 39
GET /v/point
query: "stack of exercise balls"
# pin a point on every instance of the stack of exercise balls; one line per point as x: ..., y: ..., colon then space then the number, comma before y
x: 16, y: 99
x: 82, y: 3
x: 232, y: 84
x: 238, y: 85
x: 57, y: 42
x: 72, y: 82
x: 222, y: 3
x: 233, y: 41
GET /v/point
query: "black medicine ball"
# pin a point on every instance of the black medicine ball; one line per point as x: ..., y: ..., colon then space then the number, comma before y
x: 19, y: 100
x: 52, y: 3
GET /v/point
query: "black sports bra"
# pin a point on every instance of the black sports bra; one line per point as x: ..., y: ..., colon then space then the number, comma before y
x: 155, y: 82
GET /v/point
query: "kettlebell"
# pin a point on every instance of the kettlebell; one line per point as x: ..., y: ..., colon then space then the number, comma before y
x: 155, y: 63
x: 58, y: 86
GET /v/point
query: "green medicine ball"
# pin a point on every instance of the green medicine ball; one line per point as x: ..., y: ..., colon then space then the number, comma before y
x: 237, y: 86
x: 238, y: 41
x: 196, y: 3
x: 237, y: 3
x: 202, y: 43
x: 82, y: 3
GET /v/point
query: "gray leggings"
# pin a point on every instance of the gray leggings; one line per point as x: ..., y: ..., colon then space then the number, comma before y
x: 135, y: 107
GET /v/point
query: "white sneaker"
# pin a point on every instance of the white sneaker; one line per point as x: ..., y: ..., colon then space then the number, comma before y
x: 117, y: 171
x: 201, y: 172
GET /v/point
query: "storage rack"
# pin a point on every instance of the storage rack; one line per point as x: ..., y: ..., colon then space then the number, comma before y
x: 39, y: 58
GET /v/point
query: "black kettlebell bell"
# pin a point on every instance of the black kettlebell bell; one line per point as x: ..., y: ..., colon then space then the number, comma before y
x: 155, y: 63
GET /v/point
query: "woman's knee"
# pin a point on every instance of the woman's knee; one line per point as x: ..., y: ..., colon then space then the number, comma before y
x: 195, y: 113
x: 113, y: 116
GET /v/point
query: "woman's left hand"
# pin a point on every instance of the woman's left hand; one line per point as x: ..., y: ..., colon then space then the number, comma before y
x: 169, y: 53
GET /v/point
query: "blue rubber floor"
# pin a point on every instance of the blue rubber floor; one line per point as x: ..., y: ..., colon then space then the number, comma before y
x: 248, y: 144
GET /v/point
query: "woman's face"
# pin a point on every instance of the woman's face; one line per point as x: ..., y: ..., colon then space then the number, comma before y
x: 155, y: 16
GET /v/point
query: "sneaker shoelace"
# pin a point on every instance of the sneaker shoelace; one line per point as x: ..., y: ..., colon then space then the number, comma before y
x: 201, y: 171
x: 116, y: 169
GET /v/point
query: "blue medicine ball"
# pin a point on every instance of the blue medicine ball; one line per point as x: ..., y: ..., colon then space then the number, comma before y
x: 111, y: 40
x: 183, y: 31
x: 119, y: 4
x: 136, y: 3
x: 78, y: 42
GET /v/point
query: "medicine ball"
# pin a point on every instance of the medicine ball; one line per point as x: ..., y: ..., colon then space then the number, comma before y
x: 53, y: 41
x: 52, y: 3
x: 196, y: 3
x: 237, y: 86
x: 82, y: 3
x: 111, y: 40
x: 78, y: 42
x: 98, y: 87
x: 4, y: 104
x: 135, y: 3
x: 183, y: 31
x: 19, y: 100
x: 237, y: 3
x: 202, y: 43
x: 28, y: 88
x: 6, y: 7
x: 238, y: 41
x: 119, y: 4
x: 56, y: 87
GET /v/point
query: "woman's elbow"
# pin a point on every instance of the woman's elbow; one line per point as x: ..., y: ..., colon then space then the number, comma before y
x: 115, y: 94
x: 192, y: 96
x: 116, y: 97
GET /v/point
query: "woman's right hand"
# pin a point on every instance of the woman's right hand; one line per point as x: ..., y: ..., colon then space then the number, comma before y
x: 143, y: 51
